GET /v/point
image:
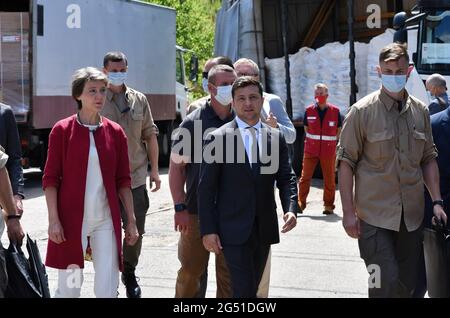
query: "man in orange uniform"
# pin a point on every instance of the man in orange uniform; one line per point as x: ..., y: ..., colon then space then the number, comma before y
x: 322, y: 123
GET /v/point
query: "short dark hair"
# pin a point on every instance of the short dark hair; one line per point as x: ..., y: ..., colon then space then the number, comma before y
x: 223, y: 60
x: 393, y: 52
x: 246, y: 81
x: 81, y: 77
x: 220, y: 68
x: 114, y: 57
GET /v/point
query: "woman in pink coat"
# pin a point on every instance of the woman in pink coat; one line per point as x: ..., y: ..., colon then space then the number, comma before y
x: 86, y: 173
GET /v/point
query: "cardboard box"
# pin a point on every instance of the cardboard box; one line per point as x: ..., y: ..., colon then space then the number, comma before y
x: 15, y: 85
x: 14, y: 60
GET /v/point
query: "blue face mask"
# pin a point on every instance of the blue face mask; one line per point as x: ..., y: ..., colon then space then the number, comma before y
x: 430, y: 96
x: 205, y: 85
x: 393, y: 83
x: 117, y: 78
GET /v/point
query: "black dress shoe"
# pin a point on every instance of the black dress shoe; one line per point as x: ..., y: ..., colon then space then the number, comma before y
x: 131, y: 285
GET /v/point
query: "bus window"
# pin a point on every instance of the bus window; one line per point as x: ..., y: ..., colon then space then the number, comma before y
x: 434, y: 43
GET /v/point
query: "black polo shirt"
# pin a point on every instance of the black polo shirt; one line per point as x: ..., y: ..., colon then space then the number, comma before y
x: 206, y: 118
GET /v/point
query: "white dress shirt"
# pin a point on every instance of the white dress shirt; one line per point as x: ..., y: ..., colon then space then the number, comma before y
x: 247, y: 137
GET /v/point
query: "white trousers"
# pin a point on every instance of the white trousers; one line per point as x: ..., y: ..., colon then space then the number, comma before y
x: 105, y: 259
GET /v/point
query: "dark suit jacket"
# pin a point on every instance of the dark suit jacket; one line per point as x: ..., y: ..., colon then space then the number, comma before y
x: 440, y: 125
x: 438, y: 104
x: 230, y: 196
x: 9, y: 140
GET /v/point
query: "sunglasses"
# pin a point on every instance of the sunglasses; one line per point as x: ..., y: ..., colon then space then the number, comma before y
x: 247, y: 74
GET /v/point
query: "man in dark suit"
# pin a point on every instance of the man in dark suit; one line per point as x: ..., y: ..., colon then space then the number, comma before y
x: 237, y: 208
x: 437, y: 89
x: 440, y: 125
x: 10, y: 141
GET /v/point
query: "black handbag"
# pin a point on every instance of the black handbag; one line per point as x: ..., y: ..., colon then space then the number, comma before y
x: 27, y: 278
x: 437, y: 261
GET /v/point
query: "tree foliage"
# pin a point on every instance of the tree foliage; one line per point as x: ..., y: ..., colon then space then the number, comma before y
x: 195, y: 27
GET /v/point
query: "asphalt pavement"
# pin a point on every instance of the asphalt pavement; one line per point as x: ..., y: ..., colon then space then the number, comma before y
x: 315, y: 259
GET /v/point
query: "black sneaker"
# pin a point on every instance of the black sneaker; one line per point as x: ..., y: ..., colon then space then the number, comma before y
x: 131, y: 285
x: 327, y: 212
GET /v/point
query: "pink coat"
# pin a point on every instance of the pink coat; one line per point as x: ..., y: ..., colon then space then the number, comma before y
x: 66, y: 169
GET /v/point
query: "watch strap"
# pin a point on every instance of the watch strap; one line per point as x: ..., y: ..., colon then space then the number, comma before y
x: 13, y: 216
x: 180, y: 207
x: 438, y: 202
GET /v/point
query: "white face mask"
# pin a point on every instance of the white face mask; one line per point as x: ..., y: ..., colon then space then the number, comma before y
x: 117, y: 78
x: 205, y: 85
x: 224, y: 96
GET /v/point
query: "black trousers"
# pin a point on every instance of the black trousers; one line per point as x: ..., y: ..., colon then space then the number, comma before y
x: 246, y: 265
x: 392, y: 259
x: 3, y: 274
x: 141, y: 204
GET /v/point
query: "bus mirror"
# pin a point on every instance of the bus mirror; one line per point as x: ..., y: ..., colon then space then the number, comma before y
x: 399, y: 24
x: 193, y: 67
x: 399, y: 20
x: 401, y: 36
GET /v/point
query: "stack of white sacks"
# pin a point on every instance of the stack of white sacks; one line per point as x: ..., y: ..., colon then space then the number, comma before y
x: 330, y: 65
x: 276, y: 76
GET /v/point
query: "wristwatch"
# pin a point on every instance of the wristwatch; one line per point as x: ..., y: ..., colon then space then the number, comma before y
x: 438, y: 202
x: 180, y: 207
x: 13, y: 216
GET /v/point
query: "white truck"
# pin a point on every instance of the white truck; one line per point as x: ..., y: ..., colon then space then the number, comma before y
x: 44, y: 41
x: 427, y: 32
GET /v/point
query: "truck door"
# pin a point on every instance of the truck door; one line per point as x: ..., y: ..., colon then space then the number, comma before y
x: 181, y: 90
x: 433, y: 54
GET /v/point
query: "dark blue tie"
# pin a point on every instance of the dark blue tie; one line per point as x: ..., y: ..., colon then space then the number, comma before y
x: 255, y: 164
